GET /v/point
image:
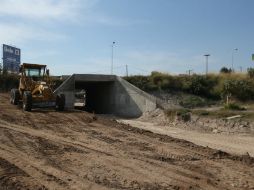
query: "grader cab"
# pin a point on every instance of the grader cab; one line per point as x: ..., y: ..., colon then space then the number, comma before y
x: 35, y: 89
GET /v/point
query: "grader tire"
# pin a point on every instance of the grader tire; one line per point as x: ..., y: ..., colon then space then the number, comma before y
x: 15, y: 96
x: 27, y: 101
x: 60, y: 102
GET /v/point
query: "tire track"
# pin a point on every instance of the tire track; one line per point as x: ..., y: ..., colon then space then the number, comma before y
x: 54, y: 138
x: 46, y: 175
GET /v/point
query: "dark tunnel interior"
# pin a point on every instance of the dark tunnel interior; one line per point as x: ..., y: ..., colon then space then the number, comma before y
x: 98, y: 98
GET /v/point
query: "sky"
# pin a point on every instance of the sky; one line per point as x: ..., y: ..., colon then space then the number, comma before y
x: 170, y: 36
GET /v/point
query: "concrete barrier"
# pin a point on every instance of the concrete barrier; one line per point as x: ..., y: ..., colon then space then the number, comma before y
x: 108, y: 94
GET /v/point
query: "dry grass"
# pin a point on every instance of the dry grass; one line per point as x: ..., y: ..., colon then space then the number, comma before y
x: 222, y: 114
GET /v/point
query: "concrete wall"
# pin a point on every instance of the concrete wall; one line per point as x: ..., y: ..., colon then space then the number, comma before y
x: 130, y: 101
x: 68, y: 88
x: 109, y: 94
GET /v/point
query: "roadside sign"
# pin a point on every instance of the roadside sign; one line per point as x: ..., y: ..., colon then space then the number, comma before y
x: 11, y: 58
x: 252, y: 57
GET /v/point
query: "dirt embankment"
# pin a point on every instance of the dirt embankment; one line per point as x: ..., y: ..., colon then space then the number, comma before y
x: 201, y: 123
x: 74, y: 150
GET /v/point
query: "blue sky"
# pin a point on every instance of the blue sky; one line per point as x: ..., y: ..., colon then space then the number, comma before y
x: 75, y: 36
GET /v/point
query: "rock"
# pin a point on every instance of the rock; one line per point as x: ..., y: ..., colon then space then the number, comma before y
x: 215, y: 131
x: 247, y: 159
x: 243, y: 126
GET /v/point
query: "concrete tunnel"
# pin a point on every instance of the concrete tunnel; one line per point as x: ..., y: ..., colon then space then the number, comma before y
x: 107, y: 94
x: 98, y: 95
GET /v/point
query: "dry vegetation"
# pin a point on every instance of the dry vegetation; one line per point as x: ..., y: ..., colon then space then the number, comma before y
x: 238, y: 86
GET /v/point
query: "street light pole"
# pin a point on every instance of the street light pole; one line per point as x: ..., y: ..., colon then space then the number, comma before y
x: 112, y: 57
x: 241, y: 69
x: 126, y: 67
x: 234, y: 50
x: 207, y: 55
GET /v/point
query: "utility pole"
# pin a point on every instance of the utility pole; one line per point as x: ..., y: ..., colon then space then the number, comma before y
x: 207, y: 55
x: 241, y: 69
x: 234, y: 50
x: 112, y: 57
x: 189, y: 71
x: 126, y: 67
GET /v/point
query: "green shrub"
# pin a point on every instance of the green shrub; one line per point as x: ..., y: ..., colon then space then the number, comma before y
x: 240, y: 89
x: 225, y: 70
x: 184, y: 115
x: 250, y: 72
x: 215, y: 87
x: 203, y: 86
x: 192, y: 102
x: 234, y: 106
x: 142, y: 82
x: 171, y: 114
x: 7, y: 82
x: 180, y: 114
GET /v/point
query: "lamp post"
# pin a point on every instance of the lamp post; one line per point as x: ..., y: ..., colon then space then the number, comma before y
x: 234, y: 50
x: 112, y: 57
x: 207, y: 55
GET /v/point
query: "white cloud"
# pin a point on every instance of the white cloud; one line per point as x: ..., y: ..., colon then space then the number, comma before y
x: 41, y: 9
x: 19, y: 33
x: 100, y: 18
x: 87, y: 65
x: 78, y: 11
x: 24, y: 20
x: 144, y: 62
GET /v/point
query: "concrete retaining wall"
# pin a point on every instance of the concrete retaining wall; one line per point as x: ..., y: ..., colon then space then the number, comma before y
x: 119, y: 98
x: 130, y: 101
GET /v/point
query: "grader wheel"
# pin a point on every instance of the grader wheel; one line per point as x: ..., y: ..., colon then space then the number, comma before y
x: 15, y: 96
x: 60, y: 102
x: 27, y: 101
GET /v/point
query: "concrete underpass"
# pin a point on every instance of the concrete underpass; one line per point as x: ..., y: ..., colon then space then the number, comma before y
x: 107, y: 94
x: 98, y: 96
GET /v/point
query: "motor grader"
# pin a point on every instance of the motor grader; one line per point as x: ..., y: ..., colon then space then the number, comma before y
x: 35, y: 89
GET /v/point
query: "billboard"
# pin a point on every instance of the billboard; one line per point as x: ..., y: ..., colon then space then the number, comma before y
x: 11, y: 58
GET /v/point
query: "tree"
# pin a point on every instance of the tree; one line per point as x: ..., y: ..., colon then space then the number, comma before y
x: 225, y: 70
x: 251, y: 72
x: 1, y: 68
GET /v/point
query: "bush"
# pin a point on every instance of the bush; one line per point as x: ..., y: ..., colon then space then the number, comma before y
x: 7, y: 82
x: 203, y: 86
x: 225, y: 70
x: 240, y: 89
x: 180, y: 114
x: 250, y: 72
x: 214, y: 87
x: 234, y: 106
x: 184, y: 115
x: 192, y: 102
x: 142, y: 82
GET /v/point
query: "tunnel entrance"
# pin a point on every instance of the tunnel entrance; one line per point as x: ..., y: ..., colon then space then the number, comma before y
x: 98, y: 96
x: 106, y: 94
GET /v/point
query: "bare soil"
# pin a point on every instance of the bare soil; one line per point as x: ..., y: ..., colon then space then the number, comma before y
x: 45, y: 149
x: 232, y: 143
x: 234, y: 136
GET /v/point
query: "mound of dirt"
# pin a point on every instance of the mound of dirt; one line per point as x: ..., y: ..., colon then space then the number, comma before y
x: 202, y: 124
x: 45, y: 149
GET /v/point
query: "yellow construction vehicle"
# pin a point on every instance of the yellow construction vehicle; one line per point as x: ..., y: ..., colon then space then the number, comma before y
x: 35, y: 89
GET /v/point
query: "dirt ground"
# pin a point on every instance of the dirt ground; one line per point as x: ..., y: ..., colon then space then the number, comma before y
x: 45, y: 149
x: 209, y: 132
x: 232, y: 143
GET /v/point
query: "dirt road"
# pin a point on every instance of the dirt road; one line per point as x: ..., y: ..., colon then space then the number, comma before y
x: 75, y: 150
x: 233, y: 143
